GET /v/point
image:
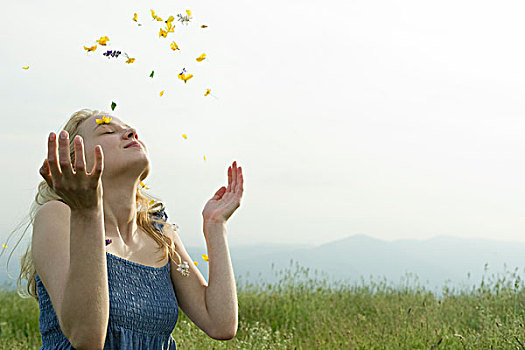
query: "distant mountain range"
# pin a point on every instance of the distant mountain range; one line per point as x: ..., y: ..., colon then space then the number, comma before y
x: 436, y: 262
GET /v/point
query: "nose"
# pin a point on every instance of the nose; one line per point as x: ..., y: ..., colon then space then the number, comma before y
x: 131, y: 133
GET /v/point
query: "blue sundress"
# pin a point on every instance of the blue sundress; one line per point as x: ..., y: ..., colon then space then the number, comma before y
x: 143, y: 308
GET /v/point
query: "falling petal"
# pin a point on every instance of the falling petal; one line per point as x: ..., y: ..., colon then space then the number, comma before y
x: 151, y: 202
x: 92, y: 48
x: 204, y: 26
x: 201, y: 57
x: 4, y: 245
x: 135, y: 17
x: 130, y: 60
x: 174, y: 46
x: 153, y: 14
x: 196, y: 263
x: 184, y: 135
x: 207, y: 92
x: 162, y: 93
x: 26, y: 67
x: 204, y: 157
x: 170, y: 19
x: 188, y: 12
x: 163, y: 33
x: 103, y: 40
x: 151, y: 75
x: 204, y: 257
x: 144, y: 186
x: 113, y: 105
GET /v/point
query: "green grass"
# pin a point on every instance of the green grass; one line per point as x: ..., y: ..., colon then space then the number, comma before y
x: 304, y: 312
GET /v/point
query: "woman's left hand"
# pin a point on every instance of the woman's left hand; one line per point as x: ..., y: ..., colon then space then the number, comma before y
x: 227, y: 199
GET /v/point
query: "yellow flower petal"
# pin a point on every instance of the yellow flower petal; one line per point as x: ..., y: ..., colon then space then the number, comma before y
x: 184, y: 135
x: 207, y: 92
x: 135, y: 17
x: 170, y: 19
x: 26, y: 67
x: 188, y: 12
x: 196, y: 263
x: 162, y: 33
x: 103, y: 40
x: 4, y: 245
x: 204, y: 257
x: 174, y: 46
x: 162, y: 93
x: 143, y: 185
x: 159, y: 19
x: 153, y: 14
x: 204, y: 157
x: 151, y: 202
x: 130, y: 60
x: 201, y: 57
x: 92, y: 48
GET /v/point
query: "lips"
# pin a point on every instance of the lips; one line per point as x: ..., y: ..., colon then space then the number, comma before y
x: 132, y: 144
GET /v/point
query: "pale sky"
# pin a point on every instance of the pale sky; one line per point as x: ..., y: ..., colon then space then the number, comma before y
x: 393, y: 120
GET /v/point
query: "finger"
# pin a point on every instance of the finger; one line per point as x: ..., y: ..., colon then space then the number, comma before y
x: 240, y: 182
x: 229, y: 179
x: 80, y: 159
x: 234, y: 176
x: 98, y: 168
x: 52, y: 156
x: 46, y: 174
x: 63, y: 152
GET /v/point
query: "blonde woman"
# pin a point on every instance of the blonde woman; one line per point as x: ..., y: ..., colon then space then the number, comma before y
x: 102, y: 253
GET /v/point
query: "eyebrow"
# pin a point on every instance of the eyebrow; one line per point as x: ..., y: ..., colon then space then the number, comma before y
x: 110, y: 123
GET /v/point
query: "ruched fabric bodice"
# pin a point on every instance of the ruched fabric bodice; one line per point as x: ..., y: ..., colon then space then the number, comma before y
x: 143, y: 308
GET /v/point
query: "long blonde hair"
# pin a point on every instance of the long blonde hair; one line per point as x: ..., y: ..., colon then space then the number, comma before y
x: 146, y: 206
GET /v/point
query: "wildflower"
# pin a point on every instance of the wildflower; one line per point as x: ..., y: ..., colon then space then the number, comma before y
x: 169, y: 27
x: 143, y: 185
x: 111, y: 53
x: 108, y: 241
x: 207, y: 92
x: 113, y: 105
x: 195, y: 263
x: 174, y: 46
x: 184, y: 268
x: 204, y: 26
x: 26, y: 67
x: 162, y: 93
x: 4, y: 245
x: 185, y: 76
x: 204, y: 257
x: 153, y: 15
x: 201, y: 57
x: 185, y: 137
x: 184, y: 19
x: 92, y: 48
x: 103, y: 40
x: 104, y: 119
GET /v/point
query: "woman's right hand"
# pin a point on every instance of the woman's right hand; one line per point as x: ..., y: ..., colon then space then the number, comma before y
x: 80, y: 190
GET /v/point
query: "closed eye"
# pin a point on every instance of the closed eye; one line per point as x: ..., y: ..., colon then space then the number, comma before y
x: 109, y: 132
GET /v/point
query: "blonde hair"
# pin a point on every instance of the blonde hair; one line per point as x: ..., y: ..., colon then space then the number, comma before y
x: 146, y: 206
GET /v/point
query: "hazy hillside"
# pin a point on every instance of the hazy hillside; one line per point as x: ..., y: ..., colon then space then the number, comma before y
x: 435, y: 261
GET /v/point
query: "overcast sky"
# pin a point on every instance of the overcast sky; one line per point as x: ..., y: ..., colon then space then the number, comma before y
x: 394, y: 120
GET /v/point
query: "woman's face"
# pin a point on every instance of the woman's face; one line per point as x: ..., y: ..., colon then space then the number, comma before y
x: 123, y: 151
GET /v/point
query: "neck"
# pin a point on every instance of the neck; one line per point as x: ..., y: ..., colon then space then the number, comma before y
x: 120, y: 209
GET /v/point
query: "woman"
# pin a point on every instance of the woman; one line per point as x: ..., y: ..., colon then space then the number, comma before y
x: 103, y: 251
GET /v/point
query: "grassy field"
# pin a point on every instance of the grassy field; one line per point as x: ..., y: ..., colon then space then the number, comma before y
x: 303, y: 312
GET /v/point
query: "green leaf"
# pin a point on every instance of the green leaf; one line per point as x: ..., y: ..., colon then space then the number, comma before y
x: 151, y: 75
x: 113, y: 105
